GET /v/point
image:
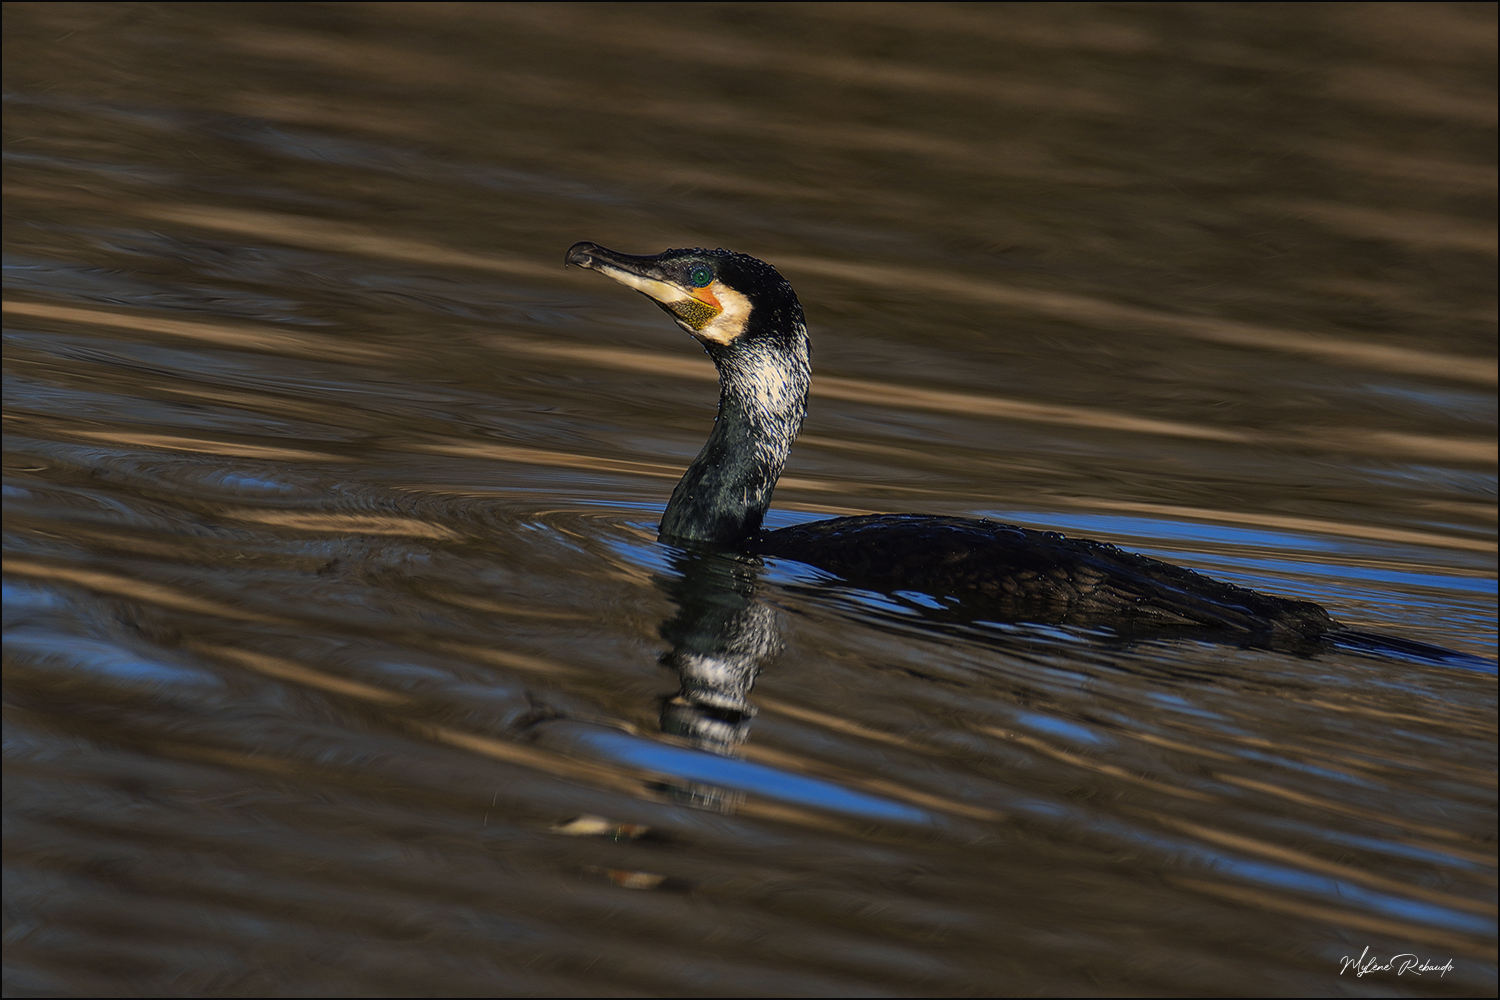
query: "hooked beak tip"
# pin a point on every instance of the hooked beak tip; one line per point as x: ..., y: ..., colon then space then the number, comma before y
x: 581, y: 254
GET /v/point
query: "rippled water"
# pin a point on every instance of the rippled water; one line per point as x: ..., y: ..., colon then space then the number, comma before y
x: 341, y: 656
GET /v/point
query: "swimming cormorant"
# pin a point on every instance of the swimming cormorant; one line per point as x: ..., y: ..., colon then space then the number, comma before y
x: 748, y: 318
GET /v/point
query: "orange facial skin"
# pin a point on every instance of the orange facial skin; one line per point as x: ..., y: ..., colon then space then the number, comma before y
x: 707, y: 297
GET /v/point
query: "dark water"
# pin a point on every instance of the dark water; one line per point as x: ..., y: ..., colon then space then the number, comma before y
x: 341, y: 656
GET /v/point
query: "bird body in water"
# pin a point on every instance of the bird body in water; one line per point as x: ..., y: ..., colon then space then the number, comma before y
x: 750, y: 322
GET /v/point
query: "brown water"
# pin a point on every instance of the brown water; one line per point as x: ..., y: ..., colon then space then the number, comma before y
x: 342, y: 658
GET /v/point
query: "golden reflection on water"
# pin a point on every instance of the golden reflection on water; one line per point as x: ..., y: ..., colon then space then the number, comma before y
x: 134, y: 589
x: 272, y: 339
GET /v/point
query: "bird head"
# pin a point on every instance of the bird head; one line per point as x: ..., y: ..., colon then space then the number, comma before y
x: 719, y: 296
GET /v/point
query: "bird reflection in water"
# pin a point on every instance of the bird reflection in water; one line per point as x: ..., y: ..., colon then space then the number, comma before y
x: 721, y: 636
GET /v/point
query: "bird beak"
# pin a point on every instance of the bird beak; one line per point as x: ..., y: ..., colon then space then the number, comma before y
x: 694, y: 308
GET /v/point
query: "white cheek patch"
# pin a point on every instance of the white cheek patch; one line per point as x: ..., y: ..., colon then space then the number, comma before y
x: 726, y: 327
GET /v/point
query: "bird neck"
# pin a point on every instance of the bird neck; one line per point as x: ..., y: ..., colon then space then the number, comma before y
x: 723, y: 496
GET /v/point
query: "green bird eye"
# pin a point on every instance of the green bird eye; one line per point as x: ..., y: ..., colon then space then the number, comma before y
x: 700, y: 276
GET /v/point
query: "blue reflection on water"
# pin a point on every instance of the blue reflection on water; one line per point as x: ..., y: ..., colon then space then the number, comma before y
x: 1181, y: 706
x: 1277, y: 760
x: 1353, y: 895
x: 648, y: 555
x: 1462, y: 404
x: 917, y: 597
x: 1059, y: 727
x: 1146, y: 528
x: 695, y: 765
x: 102, y: 658
x: 24, y: 597
x: 1188, y: 854
x: 877, y: 601
x: 1413, y: 851
x: 1471, y: 584
x: 1188, y: 531
x: 242, y: 481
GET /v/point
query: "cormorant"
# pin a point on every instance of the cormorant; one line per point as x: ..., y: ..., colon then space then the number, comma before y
x: 747, y: 317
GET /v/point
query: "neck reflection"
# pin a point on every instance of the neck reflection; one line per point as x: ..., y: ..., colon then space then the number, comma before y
x: 721, y: 636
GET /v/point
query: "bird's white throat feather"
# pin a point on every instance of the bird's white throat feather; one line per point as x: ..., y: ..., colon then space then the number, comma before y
x: 726, y: 327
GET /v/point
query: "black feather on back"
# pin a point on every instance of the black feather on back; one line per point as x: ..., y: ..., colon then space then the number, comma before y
x: 1019, y: 574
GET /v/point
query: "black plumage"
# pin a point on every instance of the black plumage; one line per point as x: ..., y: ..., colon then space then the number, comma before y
x: 749, y: 320
x: 1013, y: 573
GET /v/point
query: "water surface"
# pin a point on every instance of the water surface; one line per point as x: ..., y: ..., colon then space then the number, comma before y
x: 342, y: 658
